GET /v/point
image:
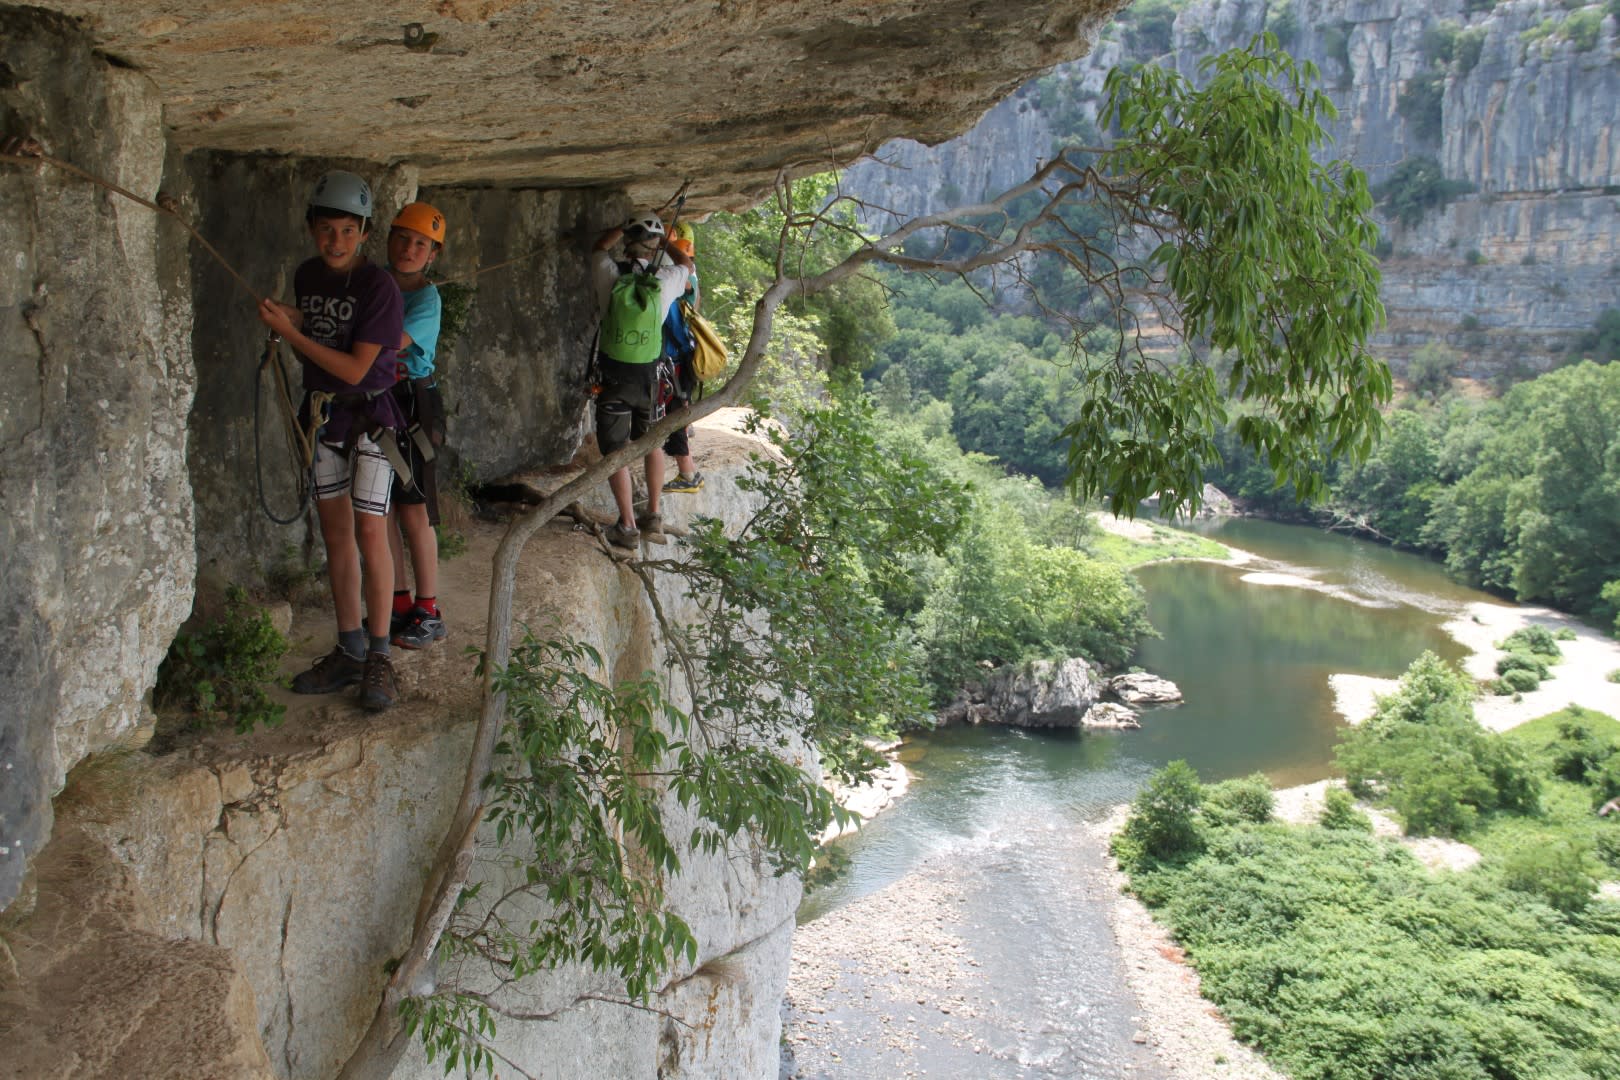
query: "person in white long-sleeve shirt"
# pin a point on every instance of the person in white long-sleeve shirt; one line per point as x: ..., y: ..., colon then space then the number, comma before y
x: 630, y: 400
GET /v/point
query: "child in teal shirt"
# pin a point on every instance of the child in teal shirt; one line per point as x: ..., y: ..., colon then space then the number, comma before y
x: 414, y: 241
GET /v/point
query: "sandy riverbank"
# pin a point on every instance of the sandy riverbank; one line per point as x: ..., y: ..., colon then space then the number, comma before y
x: 1580, y: 678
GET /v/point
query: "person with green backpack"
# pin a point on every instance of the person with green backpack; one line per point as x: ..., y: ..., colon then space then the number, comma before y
x: 633, y: 297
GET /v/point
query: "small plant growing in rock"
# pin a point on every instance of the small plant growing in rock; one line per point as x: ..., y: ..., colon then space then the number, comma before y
x: 218, y: 673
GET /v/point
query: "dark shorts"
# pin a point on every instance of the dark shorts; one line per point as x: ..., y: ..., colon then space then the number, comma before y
x: 627, y: 406
x: 423, y: 488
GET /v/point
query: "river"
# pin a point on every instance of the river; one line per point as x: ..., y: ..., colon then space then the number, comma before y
x: 995, y: 890
x: 1253, y: 661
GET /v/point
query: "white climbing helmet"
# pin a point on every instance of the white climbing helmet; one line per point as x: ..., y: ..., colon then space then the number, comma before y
x: 646, y: 223
x: 344, y: 192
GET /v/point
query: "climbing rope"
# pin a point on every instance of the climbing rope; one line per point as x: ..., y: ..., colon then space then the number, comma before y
x: 300, y: 443
x: 29, y: 152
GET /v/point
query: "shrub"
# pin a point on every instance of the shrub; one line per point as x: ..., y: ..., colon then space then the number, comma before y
x: 1605, y: 781
x: 1522, y: 661
x: 1469, y: 324
x: 1578, y: 754
x: 1521, y: 680
x: 1163, y: 822
x: 1474, y: 257
x: 1336, y: 44
x: 1423, y: 752
x: 1416, y: 187
x: 1533, y: 639
x: 1469, y: 45
x: 218, y: 673
x: 1421, y: 105
x: 1560, y: 872
x: 1249, y: 799
x: 1607, y: 847
x: 1430, y: 369
x: 1283, y: 20
x: 1582, y: 29
x: 1439, y: 42
x: 1339, y: 812
x: 1602, y: 342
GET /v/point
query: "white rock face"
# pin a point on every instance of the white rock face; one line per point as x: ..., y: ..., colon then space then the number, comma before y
x: 95, y: 387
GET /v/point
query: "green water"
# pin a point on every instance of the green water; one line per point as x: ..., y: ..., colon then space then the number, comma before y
x: 1253, y: 662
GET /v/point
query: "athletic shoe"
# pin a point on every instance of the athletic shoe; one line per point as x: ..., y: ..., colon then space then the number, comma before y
x: 330, y: 673
x: 619, y: 536
x: 652, y: 523
x: 420, y: 630
x: 685, y: 485
x: 397, y: 622
x: 377, y: 689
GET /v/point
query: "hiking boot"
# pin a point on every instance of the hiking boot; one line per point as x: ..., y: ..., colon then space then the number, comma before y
x: 377, y: 689
x: 652, y: 523
x: 420, y: 630
x: 330, y: 673
x: 619, y: 536
x: 685, y: 485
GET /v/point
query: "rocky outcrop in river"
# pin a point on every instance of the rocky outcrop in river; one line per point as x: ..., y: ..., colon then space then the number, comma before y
x: 1057, y: 694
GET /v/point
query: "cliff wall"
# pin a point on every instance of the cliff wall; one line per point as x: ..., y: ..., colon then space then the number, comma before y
x: 1522, y: 110
x: 128, y: 356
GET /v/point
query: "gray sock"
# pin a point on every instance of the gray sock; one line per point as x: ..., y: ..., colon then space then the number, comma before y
x: 353, y: 642
x: 380, y: 644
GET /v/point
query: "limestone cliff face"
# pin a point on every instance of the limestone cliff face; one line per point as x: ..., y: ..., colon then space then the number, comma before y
x: 578, y: 94
x: 1512, y: 272
x: 96, y: 378
x: 128, y: 357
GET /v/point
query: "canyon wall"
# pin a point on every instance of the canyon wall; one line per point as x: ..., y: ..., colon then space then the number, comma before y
x: 1521, y: 110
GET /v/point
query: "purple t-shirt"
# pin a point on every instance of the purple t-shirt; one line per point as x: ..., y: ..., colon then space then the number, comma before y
x: 340, y: 309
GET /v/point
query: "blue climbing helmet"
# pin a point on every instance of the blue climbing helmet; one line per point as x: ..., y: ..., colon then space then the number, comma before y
x: 343, y: 192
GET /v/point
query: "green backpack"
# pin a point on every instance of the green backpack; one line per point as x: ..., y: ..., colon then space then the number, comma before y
x: 632, y: 332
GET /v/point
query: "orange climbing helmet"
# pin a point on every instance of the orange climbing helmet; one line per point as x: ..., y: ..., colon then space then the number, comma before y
x: 422, y: 218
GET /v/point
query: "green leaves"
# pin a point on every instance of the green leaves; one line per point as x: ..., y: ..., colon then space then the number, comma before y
x: 217, y: 674
x: 1265, y: 256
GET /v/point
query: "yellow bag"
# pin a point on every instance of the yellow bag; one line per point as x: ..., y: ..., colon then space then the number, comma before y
x: 709, y: 358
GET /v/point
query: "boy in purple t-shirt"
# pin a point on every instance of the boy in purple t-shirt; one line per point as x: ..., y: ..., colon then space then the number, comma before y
x: 346, y: 329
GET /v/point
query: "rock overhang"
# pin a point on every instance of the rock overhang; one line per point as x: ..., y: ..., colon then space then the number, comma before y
x: 730, y: 93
